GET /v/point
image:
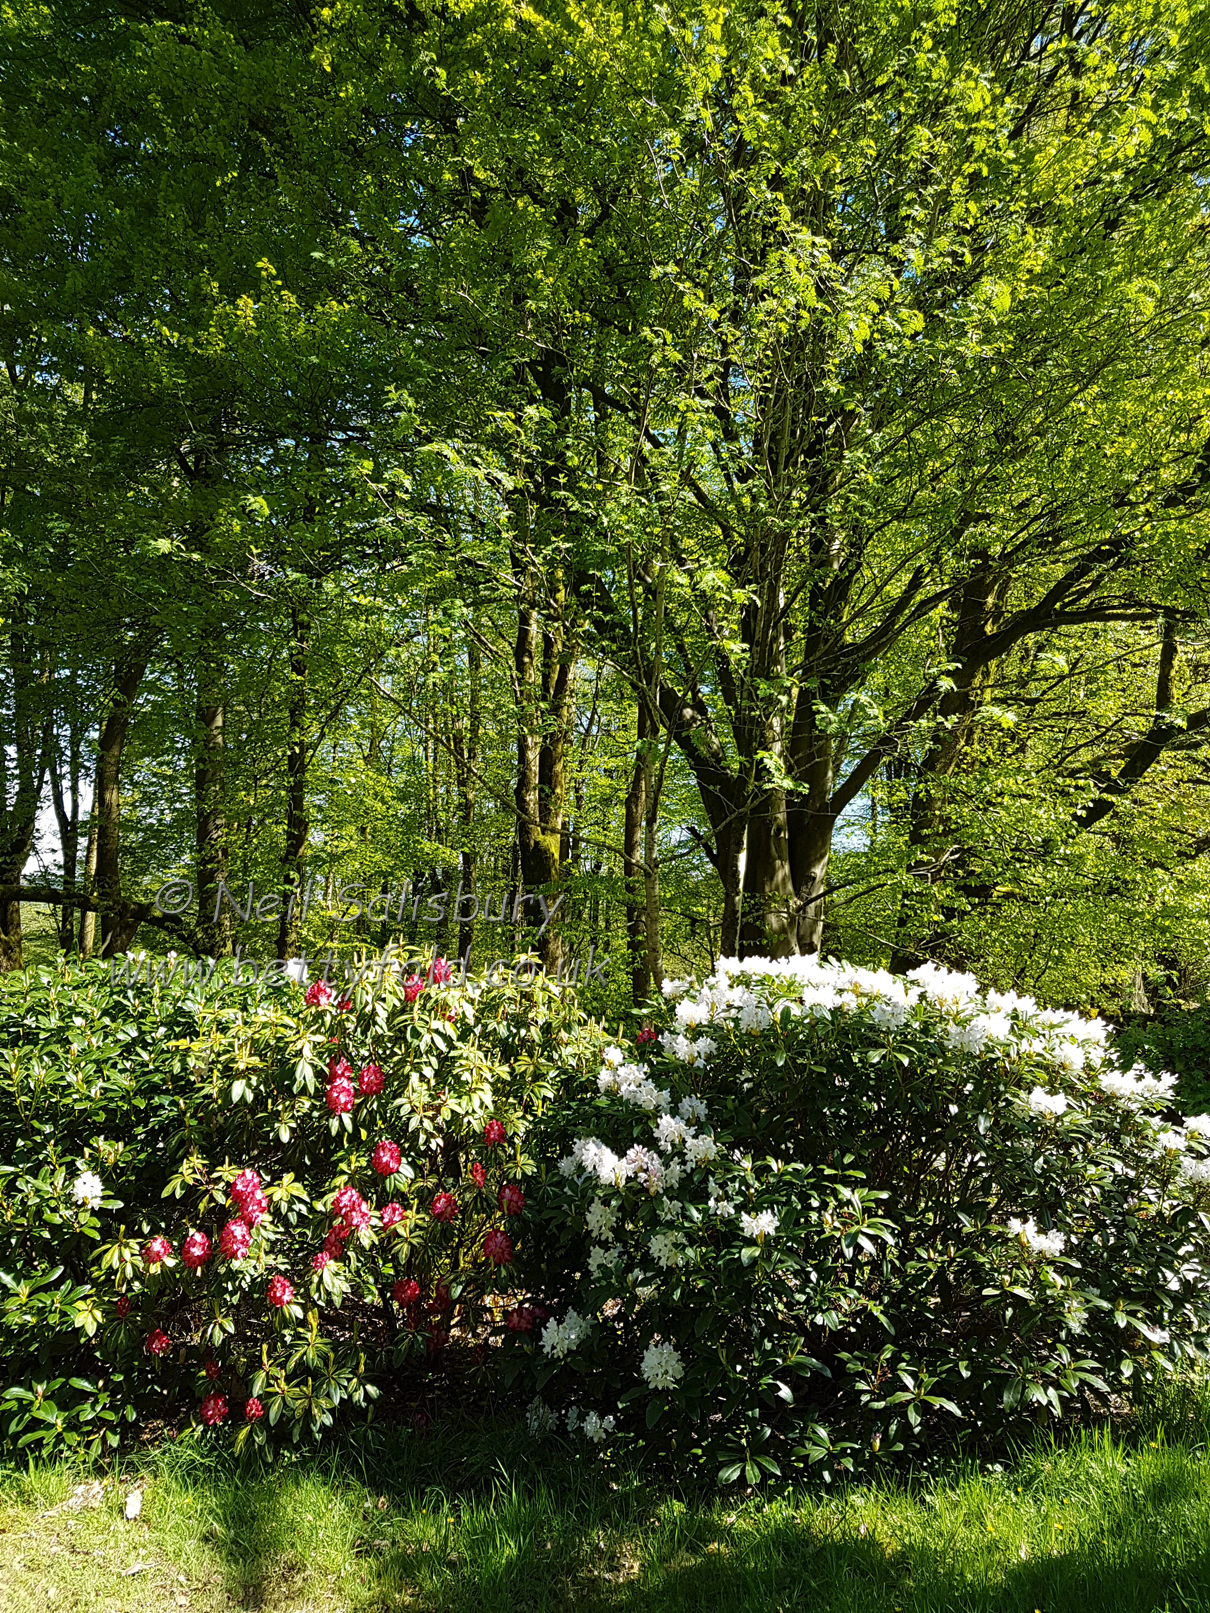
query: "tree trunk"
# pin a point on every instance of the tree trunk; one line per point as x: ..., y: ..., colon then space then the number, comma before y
x: 26, y: 749
x: 465, y: 747
x: 118, y: 924
x: 632, y: 867
x: 214, y: 932
x: 297, y: 826
x: 67, y: 816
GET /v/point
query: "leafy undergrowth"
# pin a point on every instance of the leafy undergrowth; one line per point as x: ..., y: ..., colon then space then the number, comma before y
x: 474, y: 1519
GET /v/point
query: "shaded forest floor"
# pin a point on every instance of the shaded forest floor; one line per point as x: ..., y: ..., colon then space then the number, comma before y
x: 483, y: 1519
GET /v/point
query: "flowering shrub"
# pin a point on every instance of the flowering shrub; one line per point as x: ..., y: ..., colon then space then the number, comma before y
x: 828, y: 1212
x: 258, y: 1207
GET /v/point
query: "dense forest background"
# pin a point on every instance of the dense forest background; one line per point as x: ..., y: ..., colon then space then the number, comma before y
x: 740, y: 472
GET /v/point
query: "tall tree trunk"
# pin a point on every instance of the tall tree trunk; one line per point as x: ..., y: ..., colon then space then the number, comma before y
x: 297, y: 826
x: 465, y: 747
x: 214, y: 932
x: 67, y: 816
x: 632, y: 866
x: 118, y: 923
x: 25, y: 749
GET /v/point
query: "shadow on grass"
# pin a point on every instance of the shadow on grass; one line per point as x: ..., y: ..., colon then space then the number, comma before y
x: 474, y: 1519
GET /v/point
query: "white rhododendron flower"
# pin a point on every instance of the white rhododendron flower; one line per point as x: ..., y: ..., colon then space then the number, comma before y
x: 662, y: 1366
x: 758, y: 1226
x: 1038, y: 1243
x: 540, y: 1418
x: 694, y: 1110
x: 600, y: 1217
x: 701, y: 1150
x: 1137, y: 1085
x: 1198, y: 1125
x: 690, y: 1013
x: 1195, y: 1172
x: 667, y: 1248
x: 600, y: 1256
x: 1168, y: 1141
x: 1047, y: 1103
x: 614, y: 1056
x: 754, y: 1018
x: 87, y: 1190
x: 597, y: 1428
x: 669, y: 1131
x: 675, y: 988
x: 561, y: 1338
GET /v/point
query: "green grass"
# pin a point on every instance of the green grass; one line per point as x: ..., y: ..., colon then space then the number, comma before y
x: 481, y: 1520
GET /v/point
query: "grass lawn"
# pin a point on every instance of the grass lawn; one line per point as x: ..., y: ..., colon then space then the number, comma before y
x: 485, y: 1521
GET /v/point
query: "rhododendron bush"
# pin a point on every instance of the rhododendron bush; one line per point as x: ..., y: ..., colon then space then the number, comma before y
x: 818, y: 1213
x: 253, y: 1207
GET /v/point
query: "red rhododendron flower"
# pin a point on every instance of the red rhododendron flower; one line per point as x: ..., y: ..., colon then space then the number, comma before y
x: 122, y: 1307
x: 392, y: 1215
x: 520, y: 1319
x: 498, y: 1247
x: 352, y: 1209
x: 345, y: 1004
x: 157, y: 1249
x: 253, y: 1410
x: 341, y: 1097
x: 319, y: 994
x: 340, y: 1069
x: 406, y: 1291
x: 444, y: 1207
x: 478, y: 1175
x: 158, y: 1341
x: 334, y: 1243
x: 493, y: 1133
x: 256, y: 1208
x: 386, y: 1158
x: 244, y: 1186
x: 212, y: 1370
x: 214, y: 1410
x: 440, y: 972
x: 234, y: 1240
x: 280, y: 1292
x: 324, y: 1258
x: 511, y: 1199
x: 369, y: 1081
x: 412, y: 987
x: 645, y: 1036
x: 195, y: 1251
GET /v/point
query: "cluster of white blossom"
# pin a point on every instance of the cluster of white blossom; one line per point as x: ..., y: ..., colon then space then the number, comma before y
x: 662, y: 1366
x: 1137, y: 1085
x: 561, y: 1338
x: 1038, y: 1243
x: 87, y: 1189
x: 1050, y: 1104
x: 758, y: 1226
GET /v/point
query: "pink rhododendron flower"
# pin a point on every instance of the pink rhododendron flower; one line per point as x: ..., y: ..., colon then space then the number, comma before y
x: 122, y: 1307
x: 279, y: 1292
x: 340, y: 1069
x: 511, y: 1199
x: 158, y: 1341
x: 244, y: 1186
x: 493, y: 1133
x: 253, y: 1409
x: 234, y: 1240
x: 498, y: 1247
x: 412, y: 987
x: 352, y: 1209
x: 386, y: 1158
x: 392, y: 1215
x: 212, y: 1370
x: 369, y: 1081
x: 214, y: 1410
x: 195, y: 1251
x: 324, y: 1258
x: 478, y: 1175
x: 520, y: 1319
x: 441, y: 972
x: 345, y: 1004
x: 444, y: 1207
x: 255, y: 1209
x: 157, y: 1249
x: 318, y: 994
x: 341, y: 1097
x: 406, y: 1292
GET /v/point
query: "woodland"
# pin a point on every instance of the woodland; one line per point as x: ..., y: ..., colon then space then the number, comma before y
x: 737, y: 471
